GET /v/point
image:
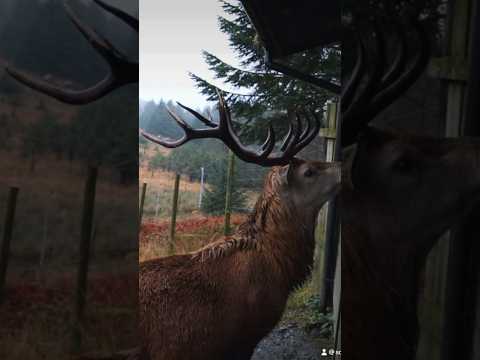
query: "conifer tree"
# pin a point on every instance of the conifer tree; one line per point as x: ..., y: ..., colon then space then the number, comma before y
x: 214, y: 198
x: 264, y: 94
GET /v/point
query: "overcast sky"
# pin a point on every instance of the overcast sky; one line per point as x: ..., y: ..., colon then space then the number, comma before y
x: 172, y: 36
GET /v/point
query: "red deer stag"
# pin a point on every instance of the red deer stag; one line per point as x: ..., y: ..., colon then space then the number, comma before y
x: 122, y: 70
x: 220, y: 301
x: 398, y: 196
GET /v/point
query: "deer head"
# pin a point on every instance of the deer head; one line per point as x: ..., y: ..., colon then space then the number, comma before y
x: 122, y: 70
x: 400, y: 193
x: 308, y: 183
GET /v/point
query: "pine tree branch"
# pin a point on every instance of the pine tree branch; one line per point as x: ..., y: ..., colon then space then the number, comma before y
x: 210, y: 58
x: 204, y: 84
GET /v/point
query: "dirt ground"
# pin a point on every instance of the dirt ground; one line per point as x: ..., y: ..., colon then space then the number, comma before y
x: 291, y: 342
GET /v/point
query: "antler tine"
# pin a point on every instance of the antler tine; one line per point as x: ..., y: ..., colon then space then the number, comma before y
x: 417, y: 65
x: 189, y: 132
x: 348, y: 90
x: 182, y: 123
x: 116, y: 60
x: 122, y: 71
x: 101, y: 44
x: 400, y: 75
x: 292, y: 144
x: 296, y: 131
x: 376, y: 64
x: 168, y: 144
x: 171, y: 144
x: 199, y: 116
x: 307, y: 128
x: 380, y: 65
x: 228, y: 134
x: 122, y: 15
x: 287, y: 139
x: 400, y: 58
x: 300, y: 126
x: 311, y: 135
x: 290, y: 149
x: 269, y: 144
x: 266, y: 143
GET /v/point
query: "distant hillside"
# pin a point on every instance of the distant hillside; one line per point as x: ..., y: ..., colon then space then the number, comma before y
x: 141, y: 106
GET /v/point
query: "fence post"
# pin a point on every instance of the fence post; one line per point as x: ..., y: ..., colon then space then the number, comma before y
x: 7, y: 237
x: 142, y: 203
x: 174, y: 213
x: 228, y: 192
x: 86, y: 237
x: 157, y: 204
x: 202, y: 184
x: 332, y: 219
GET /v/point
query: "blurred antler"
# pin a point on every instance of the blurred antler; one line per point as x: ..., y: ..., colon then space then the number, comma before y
x: 296, y: 139
x: 370, y: 91
x: 122, y: 70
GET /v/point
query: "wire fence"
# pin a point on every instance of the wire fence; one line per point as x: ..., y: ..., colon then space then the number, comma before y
x: 201, y: 208
x: 205, y: 208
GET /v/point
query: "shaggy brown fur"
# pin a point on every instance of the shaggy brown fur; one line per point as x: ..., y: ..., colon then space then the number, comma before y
x: 220, y: 301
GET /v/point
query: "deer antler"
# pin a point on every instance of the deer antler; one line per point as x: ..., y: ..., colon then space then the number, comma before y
x: 296, y: 139
x: 122, y: 70
x: 368, y: 92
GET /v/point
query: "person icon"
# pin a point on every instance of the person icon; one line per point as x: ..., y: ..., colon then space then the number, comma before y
x: 324, y: 352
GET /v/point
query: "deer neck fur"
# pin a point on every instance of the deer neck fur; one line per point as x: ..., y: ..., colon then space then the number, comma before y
x: 276, y: 237
x: 379, y: 282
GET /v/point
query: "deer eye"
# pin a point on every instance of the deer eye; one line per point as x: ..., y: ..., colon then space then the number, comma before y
x: 308, y: 173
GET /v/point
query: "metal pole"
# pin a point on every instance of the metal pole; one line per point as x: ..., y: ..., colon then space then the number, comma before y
x: 228, y: 194
x: 7, y: 237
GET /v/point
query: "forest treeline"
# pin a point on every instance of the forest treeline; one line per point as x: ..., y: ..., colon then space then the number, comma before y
x: 100, y: 134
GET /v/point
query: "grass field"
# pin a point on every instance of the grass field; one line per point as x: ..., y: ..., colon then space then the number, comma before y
x: 36, y: 316
x: 48, y: 216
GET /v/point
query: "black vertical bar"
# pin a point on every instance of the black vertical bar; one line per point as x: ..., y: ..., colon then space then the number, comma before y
x: 142, y: 204
x: 463, y: 270
x: 82, y: 275
x: 7, y: 238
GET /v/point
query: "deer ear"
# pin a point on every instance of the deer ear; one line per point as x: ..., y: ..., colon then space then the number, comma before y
x: 287, y: 171
x: 283, y: 173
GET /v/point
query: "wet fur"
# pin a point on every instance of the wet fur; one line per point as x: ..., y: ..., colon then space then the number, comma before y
x: 382, y: 255
x: 217, y: 303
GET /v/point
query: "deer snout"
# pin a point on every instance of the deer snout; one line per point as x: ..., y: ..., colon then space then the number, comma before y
x: 335, y: 169
x: 332, y: 177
